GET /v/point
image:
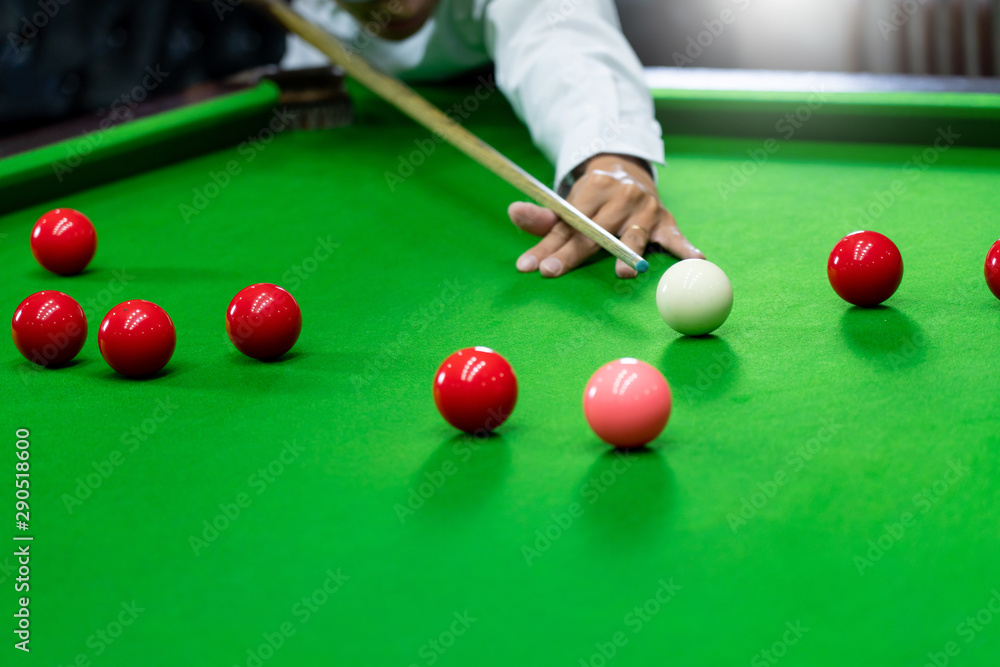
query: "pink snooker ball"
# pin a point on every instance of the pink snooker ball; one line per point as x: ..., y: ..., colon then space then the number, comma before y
x: 627, y: 403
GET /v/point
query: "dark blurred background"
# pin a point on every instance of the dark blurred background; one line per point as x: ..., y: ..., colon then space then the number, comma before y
x: 64, y: 58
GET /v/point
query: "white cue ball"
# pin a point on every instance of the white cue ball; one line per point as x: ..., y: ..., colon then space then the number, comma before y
x: 694, y: 297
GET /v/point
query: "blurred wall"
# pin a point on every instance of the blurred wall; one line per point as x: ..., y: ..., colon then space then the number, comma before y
x: 758, y: 34
x: 61, y: 58
x: 897, y: 36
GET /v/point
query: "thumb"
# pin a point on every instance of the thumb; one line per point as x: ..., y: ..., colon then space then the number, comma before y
x: 535, y: 220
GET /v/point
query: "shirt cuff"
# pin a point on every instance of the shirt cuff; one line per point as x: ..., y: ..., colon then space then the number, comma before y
x: 639, y: 142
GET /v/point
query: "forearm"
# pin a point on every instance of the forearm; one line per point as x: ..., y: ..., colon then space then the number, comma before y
x: 573, y: 79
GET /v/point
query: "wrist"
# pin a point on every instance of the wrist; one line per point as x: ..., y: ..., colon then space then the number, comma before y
x: 606, y: 160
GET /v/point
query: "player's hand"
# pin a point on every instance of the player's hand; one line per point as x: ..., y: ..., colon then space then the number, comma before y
x: 618, y: 194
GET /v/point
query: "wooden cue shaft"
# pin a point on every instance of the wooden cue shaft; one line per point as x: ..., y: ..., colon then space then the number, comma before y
x: 412, y: 104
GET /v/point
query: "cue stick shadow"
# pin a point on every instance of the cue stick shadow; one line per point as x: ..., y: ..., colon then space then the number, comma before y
x: 458, y: 478
x: 884, y: 336
x: 626, y: 497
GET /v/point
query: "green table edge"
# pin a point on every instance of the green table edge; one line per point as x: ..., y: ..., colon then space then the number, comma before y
x: 140, y: 145
x: 974, y: 104
x: 21, y: 174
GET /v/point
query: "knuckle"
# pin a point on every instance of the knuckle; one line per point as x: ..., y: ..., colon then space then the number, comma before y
x: 558, y: 236
x: 564, y: 231
x: 653, y: 207
x: 602, y: 181
x: 582, y: 246
x: 640, y: 241
x: 633, y: 192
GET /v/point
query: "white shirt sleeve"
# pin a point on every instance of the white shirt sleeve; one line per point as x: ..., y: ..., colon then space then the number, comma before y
x: 574, y: 80
x: 564, y: 65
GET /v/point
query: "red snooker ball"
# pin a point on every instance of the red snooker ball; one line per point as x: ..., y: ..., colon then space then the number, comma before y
x: 627, y: 403
x: 63, y: 241
x: 263, y: 321
x: 865, y: 268
x: 475, y: 390
x: 49, y: 328
x: 993, y: 269
x: 137, y: 338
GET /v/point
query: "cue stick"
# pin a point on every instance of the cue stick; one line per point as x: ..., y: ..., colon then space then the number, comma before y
x: 416, y: 107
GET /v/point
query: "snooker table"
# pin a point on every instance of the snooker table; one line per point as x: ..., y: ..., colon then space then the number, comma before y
x: 827, y: 491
